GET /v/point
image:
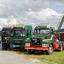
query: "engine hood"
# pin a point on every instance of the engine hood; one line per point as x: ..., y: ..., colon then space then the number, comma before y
x: 43, y: 36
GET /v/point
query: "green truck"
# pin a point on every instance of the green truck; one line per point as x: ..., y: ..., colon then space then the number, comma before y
x: 18, y: 35
x: 43, y: 40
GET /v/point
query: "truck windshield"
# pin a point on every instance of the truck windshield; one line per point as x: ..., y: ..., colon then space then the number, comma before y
x: 43, y: 31
x: 6, y: 33
x: 19, y: 33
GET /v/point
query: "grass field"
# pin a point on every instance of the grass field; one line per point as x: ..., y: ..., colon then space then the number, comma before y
x: 55, y: 58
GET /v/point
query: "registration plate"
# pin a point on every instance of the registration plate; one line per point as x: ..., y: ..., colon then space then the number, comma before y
x: 27, y: 44
x: 44, y: 45
x: 16, y: 45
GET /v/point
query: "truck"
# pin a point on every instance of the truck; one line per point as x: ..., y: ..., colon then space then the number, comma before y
x: 0, y: 42
x: 5, y: 37
x: 18, y: 35
x: 44, y: 40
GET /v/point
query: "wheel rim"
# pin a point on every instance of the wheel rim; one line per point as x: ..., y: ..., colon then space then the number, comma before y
x: 61, y: 48
x: 50, y: 50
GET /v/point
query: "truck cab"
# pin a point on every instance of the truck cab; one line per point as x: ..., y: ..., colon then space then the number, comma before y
x: 19, y: 34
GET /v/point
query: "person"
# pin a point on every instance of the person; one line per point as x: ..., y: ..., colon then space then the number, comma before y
x: 56, y: 41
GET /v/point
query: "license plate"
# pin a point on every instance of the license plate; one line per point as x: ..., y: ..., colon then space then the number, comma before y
x: 27, y: 44
x: 16, y: 45
x: 44, y: 45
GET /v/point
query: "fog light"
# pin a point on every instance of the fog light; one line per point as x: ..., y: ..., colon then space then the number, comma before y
x: 45, y: 45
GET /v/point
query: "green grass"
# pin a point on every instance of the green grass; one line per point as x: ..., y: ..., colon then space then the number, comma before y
x: 55, y: 58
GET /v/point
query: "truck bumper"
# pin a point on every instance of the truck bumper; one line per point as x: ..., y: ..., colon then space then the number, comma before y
x: 16, y: 47
x: 36, y: 48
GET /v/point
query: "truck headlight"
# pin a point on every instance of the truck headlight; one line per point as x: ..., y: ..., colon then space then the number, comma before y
x: 45, y: 45
x: 27, y: 40
x: 5, y: 38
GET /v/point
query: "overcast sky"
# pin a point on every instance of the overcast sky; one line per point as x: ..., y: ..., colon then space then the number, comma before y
x: 18, y: 8
x: 33, y: 11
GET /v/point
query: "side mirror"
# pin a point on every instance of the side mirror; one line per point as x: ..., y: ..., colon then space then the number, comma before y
x: 11, y: 34
x: 45, y: 37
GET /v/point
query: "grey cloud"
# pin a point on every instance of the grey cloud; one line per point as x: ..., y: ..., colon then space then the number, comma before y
x: 18, y: 7
x: 62, y: 1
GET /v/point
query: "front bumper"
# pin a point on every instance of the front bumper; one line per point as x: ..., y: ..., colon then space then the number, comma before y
x: 36, y: 48
x: 16, y: 47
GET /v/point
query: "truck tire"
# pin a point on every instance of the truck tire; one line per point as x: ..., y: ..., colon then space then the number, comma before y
x: 60, y: 48
x: 30, y: 52
x: 4, y: 46
x: 50, y: 50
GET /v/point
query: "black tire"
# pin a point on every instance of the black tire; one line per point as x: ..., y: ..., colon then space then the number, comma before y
x: 60, y: 48
x: 30, y: 52
x: 50, y: 50
x: 4, y: 46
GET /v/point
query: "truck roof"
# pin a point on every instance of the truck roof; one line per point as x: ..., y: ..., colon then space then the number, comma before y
x: 41, y: 27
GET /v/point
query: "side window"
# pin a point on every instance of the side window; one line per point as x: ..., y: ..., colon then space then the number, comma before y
x: 27, y: 32
x: 54, y: 37
x: 30, y: 32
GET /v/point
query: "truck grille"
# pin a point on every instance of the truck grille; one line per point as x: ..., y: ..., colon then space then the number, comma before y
x: 18, y: 42
x: 36, y: 41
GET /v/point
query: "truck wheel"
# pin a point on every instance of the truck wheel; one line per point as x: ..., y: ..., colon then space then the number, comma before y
x: 50, y: 50
x: 60, y: 48
x: 4, y: 46
x: 30, y: 51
